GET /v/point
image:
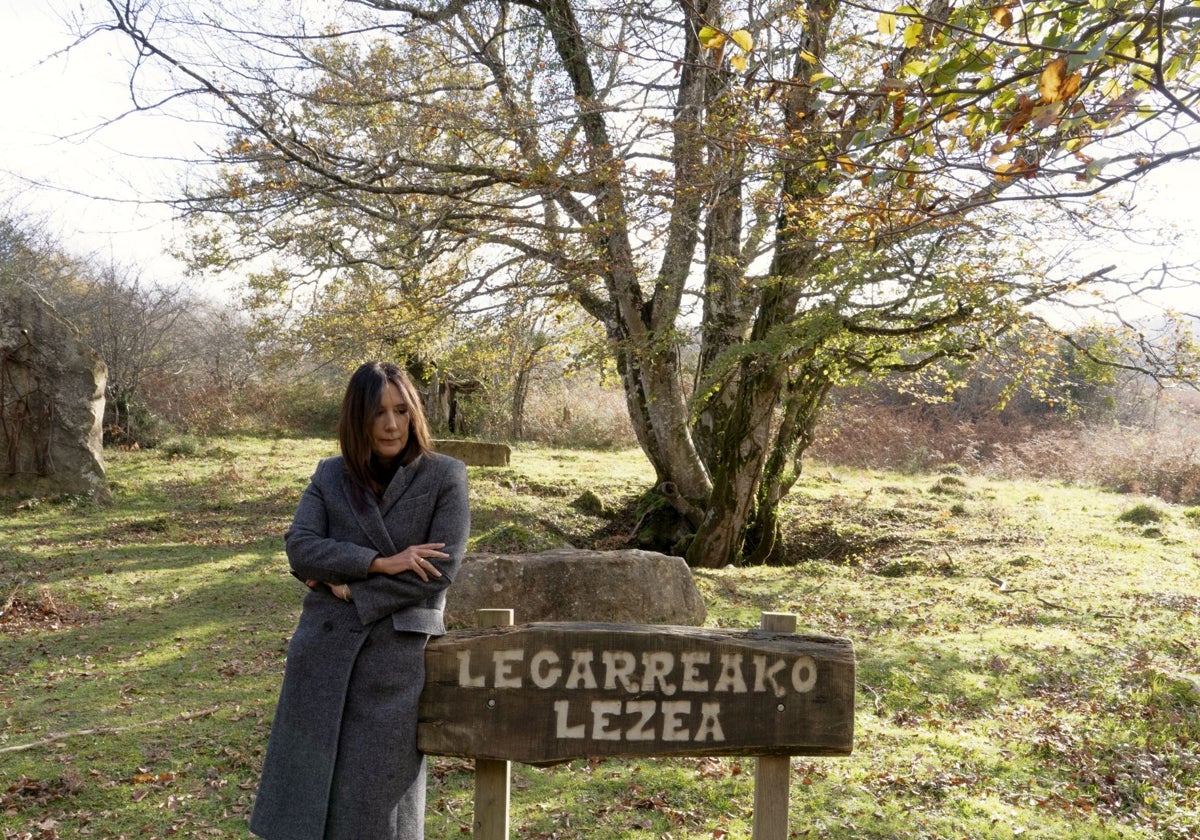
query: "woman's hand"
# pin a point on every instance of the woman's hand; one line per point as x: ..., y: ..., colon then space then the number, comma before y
x: 339, y: 590
x: 415, y: 558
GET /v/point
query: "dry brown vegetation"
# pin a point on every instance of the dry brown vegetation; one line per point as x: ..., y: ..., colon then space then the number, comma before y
x: 1157, y: 456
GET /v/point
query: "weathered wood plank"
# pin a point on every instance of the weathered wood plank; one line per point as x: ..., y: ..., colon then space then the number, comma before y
x: 548, y: 692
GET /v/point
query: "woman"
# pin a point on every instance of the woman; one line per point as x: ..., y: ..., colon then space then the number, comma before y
x: 378, y: 536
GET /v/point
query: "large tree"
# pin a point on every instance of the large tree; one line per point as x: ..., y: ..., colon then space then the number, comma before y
x: 818, y: 188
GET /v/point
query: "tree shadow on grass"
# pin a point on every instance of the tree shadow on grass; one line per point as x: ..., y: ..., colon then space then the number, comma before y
x: 206, y: 646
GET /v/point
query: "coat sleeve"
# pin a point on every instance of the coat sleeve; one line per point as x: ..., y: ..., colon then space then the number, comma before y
x: 312, y: 553
x: 382, y: 595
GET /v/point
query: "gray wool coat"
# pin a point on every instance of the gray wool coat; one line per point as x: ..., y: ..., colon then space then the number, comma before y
x: 342, y: 762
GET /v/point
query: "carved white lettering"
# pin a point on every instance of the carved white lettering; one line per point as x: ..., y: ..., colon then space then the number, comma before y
x: 619, y: 666
x: 641, y: 719
x: 710, y: 723
x: 603, y: 711
x: 692, y: 660
x: 503, y: 662
x: 561, y: 729
x: 544, y: 669
x: 674, y: 727
x: 464, y: 671
x: 656, y: 668
x: 804, y: 674
x: 642, y: 730
x: 764, y: 675
x: 731, y: 678
x: 659, y: 672
x: 581, y: 675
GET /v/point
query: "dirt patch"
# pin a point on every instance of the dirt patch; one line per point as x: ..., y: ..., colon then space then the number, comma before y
x: 19, y: 616
x: 835, y: 543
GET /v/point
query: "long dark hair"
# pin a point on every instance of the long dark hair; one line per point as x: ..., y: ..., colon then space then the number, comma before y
x: 364, y: 393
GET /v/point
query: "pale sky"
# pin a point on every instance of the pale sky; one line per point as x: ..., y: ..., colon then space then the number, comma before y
x: 59, y: 159
x: 92, y: 182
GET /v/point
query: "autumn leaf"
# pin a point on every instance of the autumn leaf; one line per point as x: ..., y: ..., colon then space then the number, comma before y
x: 886, y: 24
x: 711, y: 38
x: 1055, y: 85
x: 738, y: 63
x: 1021, y: 117
x: 1002, y: 17
x: 1013, y: 169
x: 1071, y: 85
x: 1043, y: 116
x: 743, y: 39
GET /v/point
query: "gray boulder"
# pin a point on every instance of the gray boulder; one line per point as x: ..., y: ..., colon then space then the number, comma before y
x: 568, y: 584
x: 51, y: 402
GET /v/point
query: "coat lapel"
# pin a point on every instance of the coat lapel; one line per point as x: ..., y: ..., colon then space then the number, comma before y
x: 367, y: 513
x: 400, y: 483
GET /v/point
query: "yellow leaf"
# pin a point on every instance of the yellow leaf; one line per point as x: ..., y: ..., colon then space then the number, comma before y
x: 743, y: 39
x: 738, y: 62
x: 1020, y: 166
x: 846, y: 164
x: 807, y: 56
x: 912, y: 34
x: 1002, y: 17
x: 819, y: 77
x: 710, y: 38
x: 1051, y: 84
x: 886, y: 24
x: 1070, y: 85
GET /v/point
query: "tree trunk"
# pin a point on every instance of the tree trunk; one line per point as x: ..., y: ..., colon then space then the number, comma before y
x: 806, y: 395
x: 743, y: 446
x: 516, y: 429
x: 727, y: 309
x: 745, y: 440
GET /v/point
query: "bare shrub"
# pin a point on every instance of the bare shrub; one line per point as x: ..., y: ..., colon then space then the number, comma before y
x: 574, y: 414
x: 1162, y: 459
x: 303, y: 406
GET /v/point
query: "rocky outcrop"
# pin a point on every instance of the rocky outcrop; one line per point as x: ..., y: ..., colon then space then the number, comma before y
x: 627, y: 587
x: 51, y: 402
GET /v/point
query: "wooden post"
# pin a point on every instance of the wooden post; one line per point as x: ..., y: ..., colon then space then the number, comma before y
x: 492, y: 778
x: 772, y: 774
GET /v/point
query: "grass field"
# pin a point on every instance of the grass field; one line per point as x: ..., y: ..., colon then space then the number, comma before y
x: 1028, y: 654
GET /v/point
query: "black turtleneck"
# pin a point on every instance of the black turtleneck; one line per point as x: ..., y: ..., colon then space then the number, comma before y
x: 382, y: 473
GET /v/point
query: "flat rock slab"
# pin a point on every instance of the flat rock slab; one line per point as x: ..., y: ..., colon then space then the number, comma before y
x: 628, y: 586
x: 475, y: 453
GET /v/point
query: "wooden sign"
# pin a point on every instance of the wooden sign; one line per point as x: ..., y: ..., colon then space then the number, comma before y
x: 548, y: 692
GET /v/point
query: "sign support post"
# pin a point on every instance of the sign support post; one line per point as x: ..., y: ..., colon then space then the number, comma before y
x: 772, y: 773
x: 492, y: 778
